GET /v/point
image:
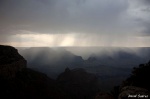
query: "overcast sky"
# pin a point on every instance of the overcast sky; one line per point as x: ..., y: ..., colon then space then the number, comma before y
x: 122, y: 23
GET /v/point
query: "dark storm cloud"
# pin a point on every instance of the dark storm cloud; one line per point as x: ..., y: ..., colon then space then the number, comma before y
x: 19, y: 14
x: 108, y: 19
x: 60, y: 15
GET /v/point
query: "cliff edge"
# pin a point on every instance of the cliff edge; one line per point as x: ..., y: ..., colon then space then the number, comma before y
x: 19, y: 82
x: 10, y: 61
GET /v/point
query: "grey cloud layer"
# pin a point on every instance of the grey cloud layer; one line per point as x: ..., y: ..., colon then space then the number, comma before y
x: 67, y: 16
x: 61, y: 15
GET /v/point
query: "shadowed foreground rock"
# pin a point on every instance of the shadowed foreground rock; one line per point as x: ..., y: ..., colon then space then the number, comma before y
x: 19, y: 82
x: 132, y: 92
x: 78, y: 84
x: 139, y: 77
x: 137, y: 84
x: 10, y: 61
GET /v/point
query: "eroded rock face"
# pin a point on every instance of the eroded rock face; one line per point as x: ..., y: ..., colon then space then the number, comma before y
x: 132, y: 92
x: 78, y: 83
x: 19, y: 82
x: 10, y: 61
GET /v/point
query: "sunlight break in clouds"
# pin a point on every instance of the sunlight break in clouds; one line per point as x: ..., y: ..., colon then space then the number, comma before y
x: 76, y: 39
x: 40, y: 40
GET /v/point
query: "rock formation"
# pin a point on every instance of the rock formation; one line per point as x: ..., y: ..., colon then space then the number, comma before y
x: 78, y: 84
x: 132, y: 92
x: 134, y: 87
x: 10, y: 61
x: 19, y: 82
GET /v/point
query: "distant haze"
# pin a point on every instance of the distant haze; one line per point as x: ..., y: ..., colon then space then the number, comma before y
x: 86, y: 52
x: 110, y: 64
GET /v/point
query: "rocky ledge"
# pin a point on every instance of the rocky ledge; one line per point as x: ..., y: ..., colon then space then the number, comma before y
x: 133, y: 92
x: 10, y: 61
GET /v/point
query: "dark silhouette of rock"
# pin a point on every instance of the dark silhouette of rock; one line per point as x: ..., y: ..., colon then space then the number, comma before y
x: 9, y: 55
x: 78, y: 84
x: 136, y: 86
x: 19, y: 82
x: 139, y: 77
x: 10, y: 61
